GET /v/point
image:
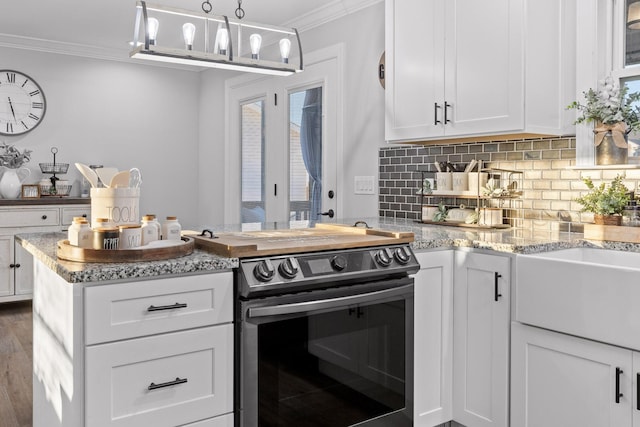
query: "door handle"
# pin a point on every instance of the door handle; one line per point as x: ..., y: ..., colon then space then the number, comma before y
x: 638, y: 391
x: 435, y: 114
x: 330, y: 213
x: 446, y: 106
x: 496, y: 295
x: 618, y: 394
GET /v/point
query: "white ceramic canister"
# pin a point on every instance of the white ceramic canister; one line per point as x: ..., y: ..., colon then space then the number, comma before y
x: 85, y: 235
x: 171, y: 229
x: 490, y: 216
x: 74, y: 228
x: 477, y: 180
x: 120, y: 205
x: 102, y: 223
x: 428, y: 212
x: 158, y: 225
x: 444, y: 181
x: 150, y: 229
x: 460, y: 181
x: 130, y: 236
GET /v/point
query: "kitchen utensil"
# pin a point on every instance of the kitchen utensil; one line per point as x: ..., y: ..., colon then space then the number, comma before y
x: 135, y: 178
x: 105, y: 175
x: 89, y: 174
x: 120, y: 180
x: 437, y: 165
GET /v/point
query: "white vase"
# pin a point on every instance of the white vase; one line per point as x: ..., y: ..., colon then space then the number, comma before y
x: 11, y: 182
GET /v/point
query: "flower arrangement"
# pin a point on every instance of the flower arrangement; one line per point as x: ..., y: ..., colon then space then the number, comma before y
x: 610, y: 104
x: 11, y: 157
x: 603, y: 200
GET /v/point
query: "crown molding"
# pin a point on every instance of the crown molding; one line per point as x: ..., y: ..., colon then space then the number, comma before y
x: 328, y: 12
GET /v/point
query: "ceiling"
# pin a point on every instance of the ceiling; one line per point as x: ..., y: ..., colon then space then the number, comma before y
x: 105, y: 28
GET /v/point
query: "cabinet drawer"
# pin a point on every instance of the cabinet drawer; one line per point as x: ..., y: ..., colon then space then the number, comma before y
x: 69, y: 213
x: 221, y: 421
x: 134, y: 309
x: 29, y: 217
x: 129, y: 383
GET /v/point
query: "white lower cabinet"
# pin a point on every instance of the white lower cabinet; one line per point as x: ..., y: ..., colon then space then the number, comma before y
x: 481, y: 301
x: 433, y: 324
x: 161, y: 380
x: 561, y: 380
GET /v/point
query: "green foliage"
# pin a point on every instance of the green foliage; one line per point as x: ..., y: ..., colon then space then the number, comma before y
x: 610, y: 104
x: 442, y: 213
x: 11, y: 157
x: 603, y: 200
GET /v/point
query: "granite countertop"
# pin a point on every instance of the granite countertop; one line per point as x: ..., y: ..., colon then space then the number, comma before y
x: 43, y: 246
x: 515, y: 241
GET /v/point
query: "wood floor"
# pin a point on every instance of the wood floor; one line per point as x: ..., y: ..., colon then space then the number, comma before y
x: 16, y: 363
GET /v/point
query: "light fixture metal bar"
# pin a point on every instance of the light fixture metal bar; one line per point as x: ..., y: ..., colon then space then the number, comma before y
x: 208, y: 58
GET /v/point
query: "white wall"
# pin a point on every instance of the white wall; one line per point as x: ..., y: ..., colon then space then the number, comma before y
x: 363, y: 36
x: 120, y: 114
x: 170, y: 123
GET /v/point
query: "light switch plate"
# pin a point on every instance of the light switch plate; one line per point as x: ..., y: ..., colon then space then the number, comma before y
x: 364, y: 185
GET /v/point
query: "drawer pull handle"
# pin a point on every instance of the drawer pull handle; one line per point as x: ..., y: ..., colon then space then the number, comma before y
x: 618, y: 394
x: 44, y: 217
x: 12, y: 266
x: 154, y: 386
x: 166, y: 307
x: 84, y: 215
x: 17, y: 265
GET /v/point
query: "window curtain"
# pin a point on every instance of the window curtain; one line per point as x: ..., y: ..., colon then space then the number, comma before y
x: 311, y: 144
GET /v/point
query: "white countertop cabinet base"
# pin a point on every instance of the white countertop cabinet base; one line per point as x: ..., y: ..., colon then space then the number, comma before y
x: 481, y: 307
x: 100, y: 353
x: 433, y: 342
x: 561, y: 380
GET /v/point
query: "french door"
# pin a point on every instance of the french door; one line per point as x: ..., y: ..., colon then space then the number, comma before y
x: 283, y: 136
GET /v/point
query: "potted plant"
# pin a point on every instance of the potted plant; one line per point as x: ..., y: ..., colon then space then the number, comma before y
x: 13, y: 172
x: 606, y: 203
x: 612, y: 110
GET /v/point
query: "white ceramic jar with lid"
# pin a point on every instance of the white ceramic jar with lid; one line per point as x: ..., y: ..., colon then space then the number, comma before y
x: 103, y: 223
x: 150, y: 229
x: 79, y: 232
x: 171, y: 229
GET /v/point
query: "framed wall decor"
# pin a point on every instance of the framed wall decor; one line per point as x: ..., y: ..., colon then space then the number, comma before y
x: 30, y: 191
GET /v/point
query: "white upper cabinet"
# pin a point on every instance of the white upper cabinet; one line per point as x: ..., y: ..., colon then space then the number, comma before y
x: 463, y: 68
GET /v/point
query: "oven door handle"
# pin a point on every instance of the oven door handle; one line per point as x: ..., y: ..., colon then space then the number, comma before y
x: 331, y: 303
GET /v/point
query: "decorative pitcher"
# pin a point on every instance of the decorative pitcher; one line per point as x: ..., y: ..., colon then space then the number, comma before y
x: 11, y: 181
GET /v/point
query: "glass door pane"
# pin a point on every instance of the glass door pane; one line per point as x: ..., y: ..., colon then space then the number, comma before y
x: 253, y: 182
x: 305, y: 154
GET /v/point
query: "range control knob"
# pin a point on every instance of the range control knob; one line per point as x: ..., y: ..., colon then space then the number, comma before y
x: 402, y: 255
x: 264, y: 271
x: 383, y: 257
x: 289, y: 268
x: 339, y: 263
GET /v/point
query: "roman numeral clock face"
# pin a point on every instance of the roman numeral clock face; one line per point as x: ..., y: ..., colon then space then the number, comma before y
x: 22, y: 103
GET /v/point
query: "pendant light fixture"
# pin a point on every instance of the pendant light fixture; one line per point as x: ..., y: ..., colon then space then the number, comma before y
x: 633, y: 15
x: 208, y: 40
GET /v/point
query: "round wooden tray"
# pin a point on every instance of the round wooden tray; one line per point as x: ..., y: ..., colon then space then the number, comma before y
x: 73, y: 253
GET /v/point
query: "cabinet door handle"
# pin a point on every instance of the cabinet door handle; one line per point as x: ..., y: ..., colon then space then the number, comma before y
x: 44, y: 217
x: 638, y: 391
x: 496, y: 293
x: 12, y: 266
x: 84, y: 215
x: 435, y: 114
x: 166, y: 307
x: 618, y: 394
x: 17, y: 265
x: 154, y: 386
x: 446, y: 106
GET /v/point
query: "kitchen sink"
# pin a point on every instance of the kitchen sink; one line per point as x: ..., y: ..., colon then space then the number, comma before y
x: 588, y: 292
x: 609, y: 258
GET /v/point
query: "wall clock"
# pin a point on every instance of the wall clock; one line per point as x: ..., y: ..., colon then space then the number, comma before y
x: 22, y: 103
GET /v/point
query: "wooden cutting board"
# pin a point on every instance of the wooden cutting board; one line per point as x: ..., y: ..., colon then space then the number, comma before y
x: 290, y: 241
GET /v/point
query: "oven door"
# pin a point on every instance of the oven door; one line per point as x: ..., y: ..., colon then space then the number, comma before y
x: 333, y: 358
